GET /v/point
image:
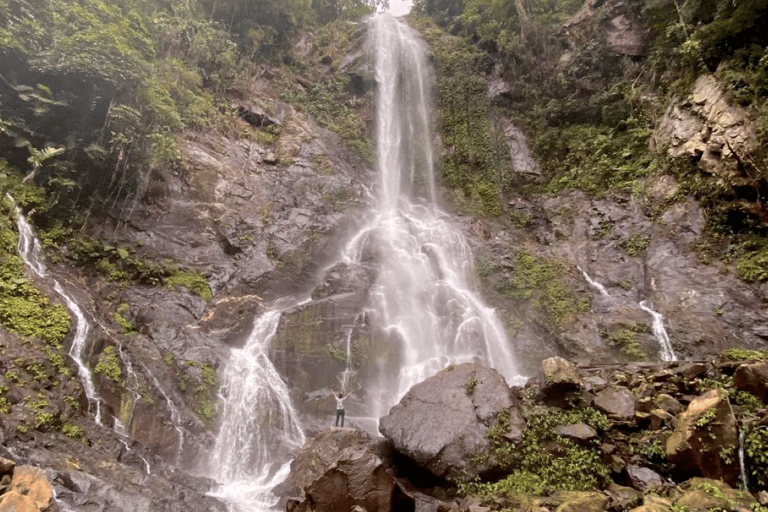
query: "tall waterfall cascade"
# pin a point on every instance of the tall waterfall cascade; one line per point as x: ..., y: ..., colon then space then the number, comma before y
x: 425, y: 297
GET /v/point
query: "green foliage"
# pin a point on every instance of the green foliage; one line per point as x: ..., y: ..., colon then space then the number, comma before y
x: 195, y: 282
x: 73, y: 431
x: 23, y: 309
x: 470, y: 386
x: 536, y: 466
x: 636, y: 244
x: 200, y: 385
x: 109, y: 365
x: 125, y: 325
x: 595, y: 159
x: 626, y: 340
x: 477, y: 161
x: 335, y: 108
x: 752, y: 259
x: 542, y: 282
x: 337, y: 354
x: 743, y: 354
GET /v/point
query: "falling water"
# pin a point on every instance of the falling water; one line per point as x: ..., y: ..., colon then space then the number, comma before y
x: 742, y: 465
x: 29, y: 249
x: 667, y: 354
x: 594, y: 284
x: 259, y: 428
x: 425, y: 297
x: 175, y: 418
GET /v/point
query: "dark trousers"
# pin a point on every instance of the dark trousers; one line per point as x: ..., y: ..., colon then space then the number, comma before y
x: 339, y: 414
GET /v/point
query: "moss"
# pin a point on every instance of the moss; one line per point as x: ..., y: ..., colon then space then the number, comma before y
x: 193, y: 281
x: 636, y: 244
x: 743, y: 354
x: 542, y: 281
x: 109, y: 365
x: 125, y: 325
x: 24, y: 310
x: 752, y: 259
x: 534, y: 465
x: 625, y: 339
x: 337, y: 354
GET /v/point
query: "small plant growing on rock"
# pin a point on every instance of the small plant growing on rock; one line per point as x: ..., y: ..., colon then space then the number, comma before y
x: 72, y: 431
x: 471, y: 385
x: 109, y: 365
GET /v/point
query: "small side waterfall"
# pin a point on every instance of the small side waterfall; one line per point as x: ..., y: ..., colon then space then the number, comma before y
x: 667, y: 354
x: 29, y: 249
x: 742, y: 465
x: 594, y: 284
x: 259, y: 427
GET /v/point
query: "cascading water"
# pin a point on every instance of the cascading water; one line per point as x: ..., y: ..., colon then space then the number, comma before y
x: 260, y: 430
x: 29, y: 249
x: 424, y: 297
x: 667, y: 354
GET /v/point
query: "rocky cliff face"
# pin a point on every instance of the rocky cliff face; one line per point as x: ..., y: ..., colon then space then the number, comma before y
x: 260, y: 208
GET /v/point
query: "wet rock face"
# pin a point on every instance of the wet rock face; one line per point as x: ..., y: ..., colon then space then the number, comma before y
x: 705, y: 441
x: 753, y: 378
x: 441, y: 422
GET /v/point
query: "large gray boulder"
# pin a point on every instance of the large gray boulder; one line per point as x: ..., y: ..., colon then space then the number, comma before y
x: 340, y: 469
x: 441, y: 423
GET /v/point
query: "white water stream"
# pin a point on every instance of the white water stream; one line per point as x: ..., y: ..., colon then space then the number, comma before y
x: 260, y: 430
x: 425, y: 297
x: 665, y: 346
x: 29, y: 249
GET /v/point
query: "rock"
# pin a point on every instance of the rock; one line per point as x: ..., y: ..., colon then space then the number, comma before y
x: 560, y: 377
x: 6, y: 466
x: 654, y: 504
x: 13, y: 501
x: 357, y: 477
x: 708, y: 494
x: 659, y: 418
x: 762, y: 497
x: 579, y: 432
x: 705, y: 440
x: 753, y: 378
x: 668, y: 403
x: 441, y: 422
x: 622, y: 498
x: 574, y: 501
x: 616, y: 401
x: 29, y: 490
x: 643, y: 479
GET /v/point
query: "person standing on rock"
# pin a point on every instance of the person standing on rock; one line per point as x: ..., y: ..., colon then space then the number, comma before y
x: 340, y: 407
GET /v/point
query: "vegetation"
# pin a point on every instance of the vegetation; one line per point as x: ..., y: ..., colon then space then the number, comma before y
x: 109, y: 365
x: 542, y: 282
x: 544, y: 459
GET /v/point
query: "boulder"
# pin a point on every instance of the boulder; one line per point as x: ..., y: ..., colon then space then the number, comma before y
x: 578, y: 432
x: 669, y: 404
x: 705, y: 440
x: 341, y: 469
x: 29, y: 491
x: 643, y: 479
x: 616, y: 401
x: 560, y: 377
x: 708, y: 494
x: 753, y: 378
x: 441, y: 422
x: 575, y: 501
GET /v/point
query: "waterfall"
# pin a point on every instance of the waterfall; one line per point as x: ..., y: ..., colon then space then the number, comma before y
x: 29, y: 249
x: 667, y: 354
x: 594, y: 284
x: 424, y: 298
x: 742, y: 465
x: 260, y: 430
